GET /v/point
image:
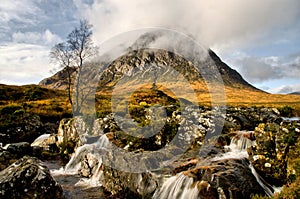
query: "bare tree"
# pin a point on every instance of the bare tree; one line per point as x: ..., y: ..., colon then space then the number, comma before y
x: 74, y: 52
x: 63, y: 55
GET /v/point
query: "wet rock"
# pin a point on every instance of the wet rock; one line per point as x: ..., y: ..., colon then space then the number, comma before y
x: 28, y: 178
x: 88, y: 166
x: 6, y: 159
x: 141, y: 185
x: 20, y: 149
x: 71, y: 134
x: 270, y: 155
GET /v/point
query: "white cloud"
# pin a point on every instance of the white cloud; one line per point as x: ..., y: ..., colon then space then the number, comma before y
x: 261, y: 69
x: 24, y: 63
x: 46, y: 38
x: 221, y: 24
x: 284, y: 89
x: 20, y: 11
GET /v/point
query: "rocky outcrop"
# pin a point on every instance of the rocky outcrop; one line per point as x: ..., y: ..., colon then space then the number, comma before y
x: 71, y: 134
x: 273, y: 144
x: 28, y: 178
x: 25, y: 128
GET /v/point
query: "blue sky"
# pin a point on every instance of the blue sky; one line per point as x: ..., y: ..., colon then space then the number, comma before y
x: 260, y: 39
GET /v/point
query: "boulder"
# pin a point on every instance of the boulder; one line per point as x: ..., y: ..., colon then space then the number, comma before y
x: 6, y: 159
x: 273, y: 144
x: 28, y: 178
x: 20, y: 149
x: 71, y: 134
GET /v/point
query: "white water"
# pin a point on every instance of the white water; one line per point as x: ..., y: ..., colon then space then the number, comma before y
x: 238, y: 147
x: 291, y: 118
x: 74, y: 163
x: 181, y: 186
x: 264, y: 185
x: 40, y: 139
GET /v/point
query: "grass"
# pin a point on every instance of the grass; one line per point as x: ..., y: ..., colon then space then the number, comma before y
x: 53, y: 104
x: 15, y: 101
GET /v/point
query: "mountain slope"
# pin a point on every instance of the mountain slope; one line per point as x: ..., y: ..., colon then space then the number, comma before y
x: 145, y: 59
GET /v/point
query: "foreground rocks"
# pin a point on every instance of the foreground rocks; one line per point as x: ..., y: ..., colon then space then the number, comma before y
x: 28, y: 178
x: 231, y: 177
x: 13, y: 152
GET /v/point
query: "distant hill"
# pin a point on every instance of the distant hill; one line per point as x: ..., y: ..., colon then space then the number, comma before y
x: 295, y: 93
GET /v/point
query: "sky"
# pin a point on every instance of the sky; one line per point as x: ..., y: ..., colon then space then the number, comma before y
x: 259, y: 39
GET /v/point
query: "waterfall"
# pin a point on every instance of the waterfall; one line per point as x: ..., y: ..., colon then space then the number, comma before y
x: 75, y: 161
x: 241, y: 141
x: 40, y: 139
x: 261, y: 182
x: 81, y: 151
x: 179, y: 187
x: 238, y: 146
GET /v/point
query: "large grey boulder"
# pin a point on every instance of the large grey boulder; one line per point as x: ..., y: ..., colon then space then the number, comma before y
x: 28, y: 178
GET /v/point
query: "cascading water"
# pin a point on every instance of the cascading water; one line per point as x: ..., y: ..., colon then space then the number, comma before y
x: 74, y: 164
x: 238, y: 146
x: 40, y: 139
x: 182, y: 186
x: 179, y: 187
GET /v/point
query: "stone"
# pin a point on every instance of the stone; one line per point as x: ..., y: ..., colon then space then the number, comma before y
x: 28, y: 178
x: 20, y: 149
x: 6, y: 159
x: 273, y: 144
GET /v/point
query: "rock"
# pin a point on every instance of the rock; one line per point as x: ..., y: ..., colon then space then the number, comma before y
x: 20, y: 149
x: 71, y: 134
x: 28, y: 178
x: 6, y: 159
x: 88, y: 166
x: 142, y: 185
x: 270, y: 155
x: 24, y: 129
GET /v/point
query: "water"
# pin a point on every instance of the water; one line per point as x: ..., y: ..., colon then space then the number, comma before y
x: 75, y: 186
x: 238, y: 147
x: 262, y: 183
x: 291, y: 118
x: 181, y: 186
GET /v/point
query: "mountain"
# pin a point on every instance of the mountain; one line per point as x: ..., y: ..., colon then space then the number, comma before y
x: 295, y: 93
x: 59, y: 80
x: 141, y: 61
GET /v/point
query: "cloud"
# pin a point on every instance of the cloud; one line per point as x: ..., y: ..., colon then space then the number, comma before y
x: 284, y: 89
x: 215, y: 23
x: 46, y: 38
x: 24, y: 63
x: 261, y: 69
x: 25, y: 11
